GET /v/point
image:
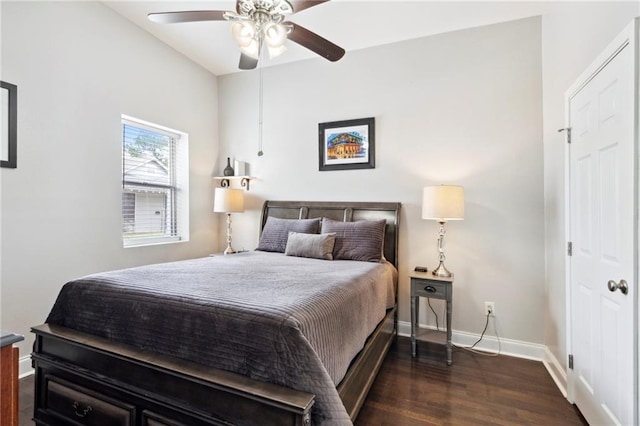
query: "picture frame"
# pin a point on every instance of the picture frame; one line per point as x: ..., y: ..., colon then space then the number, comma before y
x: 346, y: 145
x: 8, y: 125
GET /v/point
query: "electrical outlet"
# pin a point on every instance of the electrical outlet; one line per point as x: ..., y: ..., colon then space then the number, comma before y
x: 490, y: 308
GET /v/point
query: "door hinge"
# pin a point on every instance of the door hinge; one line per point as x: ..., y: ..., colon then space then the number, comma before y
x: 571, y: 362
x: 570, y: 248
x: 568, y: 129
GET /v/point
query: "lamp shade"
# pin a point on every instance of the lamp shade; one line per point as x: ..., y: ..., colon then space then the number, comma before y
x: 252, y: 49
x: 227, y: 200
x: 443, y: 203
x: 275, y: 35
x: 244, y: 32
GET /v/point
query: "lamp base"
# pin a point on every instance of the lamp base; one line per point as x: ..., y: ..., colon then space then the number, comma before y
x: 441, y: 271
x: 229, y: 249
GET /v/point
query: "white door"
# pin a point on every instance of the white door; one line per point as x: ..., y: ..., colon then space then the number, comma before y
x: 602, y: 176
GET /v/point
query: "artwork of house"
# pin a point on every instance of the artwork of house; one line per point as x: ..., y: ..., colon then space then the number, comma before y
x: 345, y: 145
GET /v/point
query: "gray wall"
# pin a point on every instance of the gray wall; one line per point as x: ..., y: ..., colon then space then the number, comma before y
x: 78, y: 67
x: 460, y: 108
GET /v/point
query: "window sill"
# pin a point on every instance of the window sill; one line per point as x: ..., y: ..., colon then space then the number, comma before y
x: 144, y: 242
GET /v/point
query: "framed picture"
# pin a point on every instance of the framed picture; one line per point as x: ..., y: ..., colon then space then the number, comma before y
x: 349, y: 144
x: 8, y: 125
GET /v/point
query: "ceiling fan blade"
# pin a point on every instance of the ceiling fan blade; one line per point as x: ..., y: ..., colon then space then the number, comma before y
x: 299, y: 5
x: 315, y: 43
x: 187, y: 16
x: 247, y: 62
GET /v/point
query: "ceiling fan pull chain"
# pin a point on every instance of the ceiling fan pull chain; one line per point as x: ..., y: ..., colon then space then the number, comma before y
x: 260, y: 153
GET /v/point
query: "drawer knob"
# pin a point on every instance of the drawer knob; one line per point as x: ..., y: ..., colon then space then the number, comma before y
x: 81, y: 412
x: 430, y: 289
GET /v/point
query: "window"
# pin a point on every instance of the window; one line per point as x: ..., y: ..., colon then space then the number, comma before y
x: 155, y: 199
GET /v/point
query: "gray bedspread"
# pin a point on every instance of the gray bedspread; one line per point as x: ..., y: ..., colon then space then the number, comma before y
x: 292, y: 321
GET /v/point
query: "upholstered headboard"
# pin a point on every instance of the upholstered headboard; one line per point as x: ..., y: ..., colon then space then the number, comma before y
x: 344, y: 211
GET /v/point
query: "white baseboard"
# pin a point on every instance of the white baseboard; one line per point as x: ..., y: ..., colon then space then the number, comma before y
x: 24, y: 367
x: 557, y: 373
x: 515, y: 348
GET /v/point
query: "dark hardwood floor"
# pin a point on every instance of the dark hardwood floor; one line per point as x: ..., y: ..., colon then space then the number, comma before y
x: 475, y: 390
x: 25, y: 402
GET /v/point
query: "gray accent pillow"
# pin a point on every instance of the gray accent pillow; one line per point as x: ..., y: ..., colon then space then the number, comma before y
x: 362, y: 240
x: 276, y: 232
x: 317, y: 246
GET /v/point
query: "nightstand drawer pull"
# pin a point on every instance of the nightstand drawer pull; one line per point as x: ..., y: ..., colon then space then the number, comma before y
x: 430, y: 289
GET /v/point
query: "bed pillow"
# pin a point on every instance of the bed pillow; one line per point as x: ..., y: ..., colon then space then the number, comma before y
x: 316, y: 246
x: 276, y: 232
x: 361, y: 240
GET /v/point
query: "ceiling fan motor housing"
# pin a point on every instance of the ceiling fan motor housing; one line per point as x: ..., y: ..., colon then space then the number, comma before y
x: 270, y: 7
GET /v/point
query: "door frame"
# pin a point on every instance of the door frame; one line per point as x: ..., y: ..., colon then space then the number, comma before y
x: 628, y: 37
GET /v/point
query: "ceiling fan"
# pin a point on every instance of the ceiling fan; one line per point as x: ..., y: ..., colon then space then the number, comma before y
x: 258, y: 24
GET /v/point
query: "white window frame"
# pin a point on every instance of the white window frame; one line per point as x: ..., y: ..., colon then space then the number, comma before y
x: 180, y: 186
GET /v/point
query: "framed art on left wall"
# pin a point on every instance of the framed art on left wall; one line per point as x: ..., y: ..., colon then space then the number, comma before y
x: 349, y: 144
x: 9, y: 125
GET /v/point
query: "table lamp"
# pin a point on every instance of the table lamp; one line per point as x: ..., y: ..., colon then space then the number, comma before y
x: 442, y: 203
x: 227, y: 200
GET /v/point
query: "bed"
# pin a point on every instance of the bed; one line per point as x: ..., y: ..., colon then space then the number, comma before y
x: 228, y: 339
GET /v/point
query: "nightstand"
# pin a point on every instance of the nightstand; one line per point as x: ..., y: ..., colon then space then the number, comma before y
x: 425, y: 284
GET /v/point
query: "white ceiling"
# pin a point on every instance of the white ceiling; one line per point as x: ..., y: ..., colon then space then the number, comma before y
x: 350, y: 24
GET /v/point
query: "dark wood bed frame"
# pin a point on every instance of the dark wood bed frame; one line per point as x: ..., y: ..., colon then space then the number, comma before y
x: 86, y: 380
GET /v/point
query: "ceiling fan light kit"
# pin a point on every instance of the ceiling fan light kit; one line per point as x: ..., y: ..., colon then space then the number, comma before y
x: 258, y: 23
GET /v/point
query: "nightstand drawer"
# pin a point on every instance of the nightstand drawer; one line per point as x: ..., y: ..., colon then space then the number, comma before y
x: 425, y: 288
